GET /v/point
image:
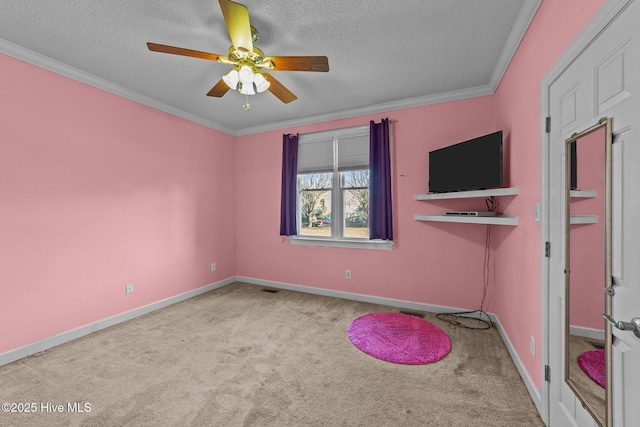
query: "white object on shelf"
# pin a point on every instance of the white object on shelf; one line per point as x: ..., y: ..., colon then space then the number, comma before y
x: 496, y: 220
x: 583, y: 219
x: 494, y: 192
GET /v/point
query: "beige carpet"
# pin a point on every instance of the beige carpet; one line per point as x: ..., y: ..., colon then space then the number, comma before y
x: 239, y: 356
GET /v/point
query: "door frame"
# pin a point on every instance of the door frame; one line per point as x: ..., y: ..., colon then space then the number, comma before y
x: 600, y: 21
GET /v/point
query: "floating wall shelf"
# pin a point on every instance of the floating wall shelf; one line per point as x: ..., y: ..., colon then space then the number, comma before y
x: 497, y: 220
x: 583, y: 194
x: 583, y: 219
x: 495, y: 192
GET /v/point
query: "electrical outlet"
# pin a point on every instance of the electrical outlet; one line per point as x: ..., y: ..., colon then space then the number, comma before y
x: 347, y: 275
x: 532, y: 345
x: 213, y: 266
x: 537, y: 217
x: 129, y: 288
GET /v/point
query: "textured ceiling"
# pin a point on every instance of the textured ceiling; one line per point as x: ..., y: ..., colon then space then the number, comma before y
x: 382, y: 54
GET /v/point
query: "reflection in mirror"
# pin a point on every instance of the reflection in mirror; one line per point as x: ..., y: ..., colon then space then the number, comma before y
x: 586, y: 281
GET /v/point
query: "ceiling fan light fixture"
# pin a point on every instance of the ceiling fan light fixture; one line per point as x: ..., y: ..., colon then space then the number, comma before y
x: 261, y: 83
x: 247, y: 59
x: 245, y: 74
x: 247, y: 89
x: 231, y: 79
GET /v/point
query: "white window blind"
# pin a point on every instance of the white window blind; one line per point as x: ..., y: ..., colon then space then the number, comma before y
x: 315, y: 156
x: 345, y: 148
x: 353, y: 152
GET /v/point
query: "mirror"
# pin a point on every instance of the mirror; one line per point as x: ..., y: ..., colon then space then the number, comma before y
x: 588, y: 263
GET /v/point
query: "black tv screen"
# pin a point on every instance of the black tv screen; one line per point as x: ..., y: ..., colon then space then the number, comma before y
x: 470, y: 165
x: 574, y: 166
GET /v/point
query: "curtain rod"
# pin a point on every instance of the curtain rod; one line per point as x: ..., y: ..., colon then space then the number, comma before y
x: 346, y: 127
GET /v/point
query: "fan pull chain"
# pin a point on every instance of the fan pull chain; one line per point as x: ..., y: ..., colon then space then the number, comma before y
x: 247, y: 105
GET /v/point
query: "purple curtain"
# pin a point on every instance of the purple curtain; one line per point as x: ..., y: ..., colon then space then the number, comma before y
x: 380, y: 217
x: 289, y: 186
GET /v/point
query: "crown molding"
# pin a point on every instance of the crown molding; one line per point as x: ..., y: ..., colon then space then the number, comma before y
x: 520, y: 27
x: 42, y: 61
x: 60, y: 68
x: 373, y: 109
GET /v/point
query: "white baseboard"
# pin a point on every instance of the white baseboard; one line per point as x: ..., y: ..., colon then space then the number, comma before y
x: 408, y: 305
x: 593, y: 334
x: 536, y: 395
x: 49, y: 342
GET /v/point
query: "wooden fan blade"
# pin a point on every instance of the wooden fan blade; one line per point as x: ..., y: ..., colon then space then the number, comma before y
x: 219, y: 89
x: 236, y: 16
x: 278, y: 89
x: 298, y: 63
x: 155, y: 47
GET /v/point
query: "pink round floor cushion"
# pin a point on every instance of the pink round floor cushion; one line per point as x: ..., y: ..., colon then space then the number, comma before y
x: 592, y: 363
x: 399, y: 338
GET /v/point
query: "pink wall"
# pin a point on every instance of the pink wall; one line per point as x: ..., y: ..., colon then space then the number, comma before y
x: 425, y: 263
x: 517, y: 107
x: 99, y: 191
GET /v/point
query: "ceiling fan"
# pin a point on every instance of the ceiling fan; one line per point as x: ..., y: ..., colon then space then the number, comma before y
x: 248, y: 60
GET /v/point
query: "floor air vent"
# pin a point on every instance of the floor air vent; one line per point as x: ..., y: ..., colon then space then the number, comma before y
x: 271, y: 291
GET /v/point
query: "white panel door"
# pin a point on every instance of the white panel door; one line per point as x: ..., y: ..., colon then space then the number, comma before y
x: 626, y: 234
x: 603, y: 81
x: 569, y: 99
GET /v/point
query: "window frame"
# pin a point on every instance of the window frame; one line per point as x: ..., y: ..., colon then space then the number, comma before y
x: 337, y: 238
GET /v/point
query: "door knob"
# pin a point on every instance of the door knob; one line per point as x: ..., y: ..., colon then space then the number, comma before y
x: 633, y: 326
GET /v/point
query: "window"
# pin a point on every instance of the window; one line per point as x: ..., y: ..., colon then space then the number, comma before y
x: 333, y: 185
x: 331, y: 195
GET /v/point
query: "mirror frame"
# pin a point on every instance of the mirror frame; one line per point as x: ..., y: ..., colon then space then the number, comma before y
x: 607, y: 124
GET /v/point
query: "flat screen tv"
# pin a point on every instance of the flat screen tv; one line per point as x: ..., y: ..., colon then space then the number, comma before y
x: 574, y: 166
x: 470, y: 165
